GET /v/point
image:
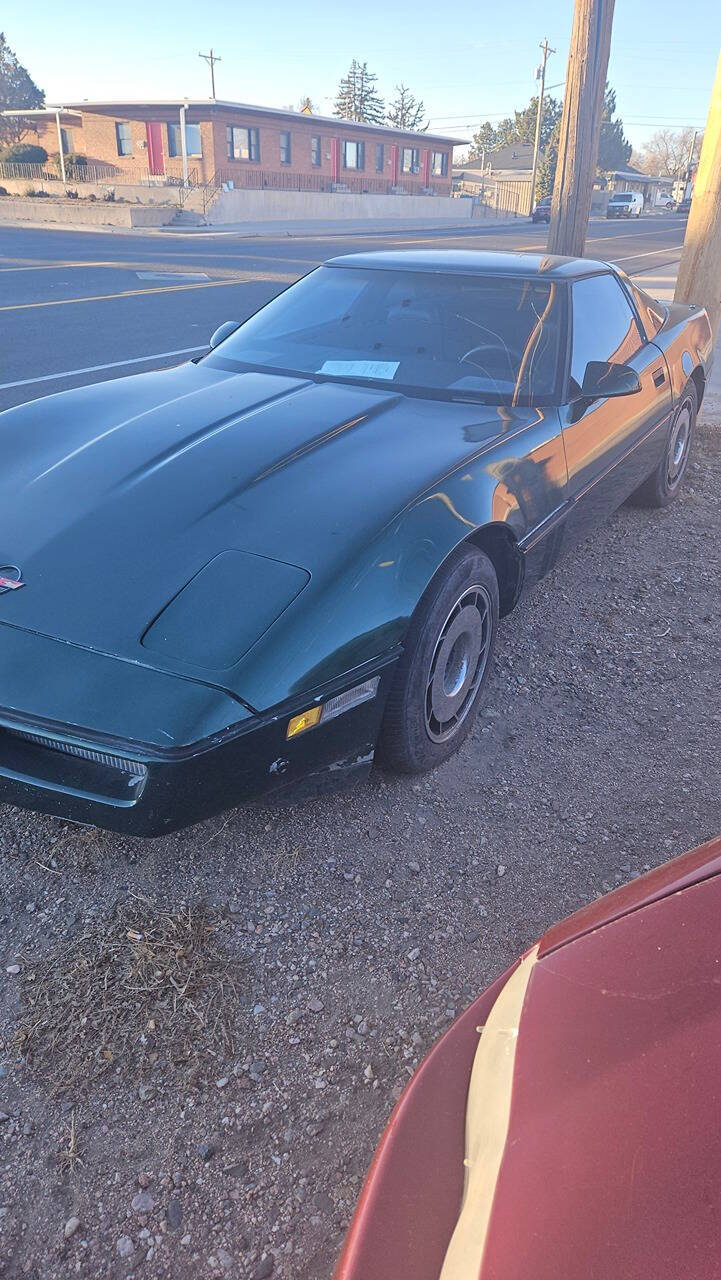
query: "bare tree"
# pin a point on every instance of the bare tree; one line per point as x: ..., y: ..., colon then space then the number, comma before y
x: 407, y: 111
x: 666, y: 153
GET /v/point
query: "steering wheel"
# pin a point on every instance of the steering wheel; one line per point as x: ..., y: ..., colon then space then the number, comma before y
x: 487, y: 347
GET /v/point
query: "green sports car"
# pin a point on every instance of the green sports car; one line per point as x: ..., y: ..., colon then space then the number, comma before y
x: 275, y: 564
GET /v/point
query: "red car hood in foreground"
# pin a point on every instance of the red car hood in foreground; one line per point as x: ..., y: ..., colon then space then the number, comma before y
x: 579, y: 1136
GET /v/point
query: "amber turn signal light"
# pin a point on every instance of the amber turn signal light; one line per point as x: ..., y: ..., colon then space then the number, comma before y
x: 306, y: 720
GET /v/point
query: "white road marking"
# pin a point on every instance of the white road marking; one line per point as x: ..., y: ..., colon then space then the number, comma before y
x: 97, y: 368
x: 172, y: 275
x: 651, y: 253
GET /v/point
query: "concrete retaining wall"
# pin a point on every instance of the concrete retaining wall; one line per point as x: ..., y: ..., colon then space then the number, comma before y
x: 133, y: 194
x: 306, y: 206
x: 83, y: 213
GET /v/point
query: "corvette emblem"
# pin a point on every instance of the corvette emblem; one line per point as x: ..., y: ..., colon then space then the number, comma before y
x: 10, y: 578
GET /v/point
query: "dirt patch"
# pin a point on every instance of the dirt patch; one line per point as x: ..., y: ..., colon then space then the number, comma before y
x: 142, y: 989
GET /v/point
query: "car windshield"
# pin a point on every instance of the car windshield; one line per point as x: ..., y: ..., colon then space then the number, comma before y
x: 488, y: 338
x: 622, y: 199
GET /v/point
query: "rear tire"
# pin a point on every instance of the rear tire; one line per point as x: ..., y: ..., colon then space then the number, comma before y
x: 440, y: 678
x: 663, y: 485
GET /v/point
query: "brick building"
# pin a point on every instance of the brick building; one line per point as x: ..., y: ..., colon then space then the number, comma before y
x: 213, y: 141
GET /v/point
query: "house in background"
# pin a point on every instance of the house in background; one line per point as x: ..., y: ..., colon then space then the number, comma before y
x: 632, y: 179
x: 501, y: 177
x: 204, y: 141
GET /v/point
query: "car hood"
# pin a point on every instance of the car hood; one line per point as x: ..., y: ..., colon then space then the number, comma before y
x: 114, y: 496
x: 565, y: 1123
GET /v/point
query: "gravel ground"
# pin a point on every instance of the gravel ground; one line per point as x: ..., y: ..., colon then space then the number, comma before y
x: 357, y: 926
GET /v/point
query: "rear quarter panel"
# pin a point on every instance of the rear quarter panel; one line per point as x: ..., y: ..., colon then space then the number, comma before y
x: 687, y: 343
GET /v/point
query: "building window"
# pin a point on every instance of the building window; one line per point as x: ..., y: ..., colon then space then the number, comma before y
x: 285, y: 146
x: 315, y: 157
x: 192, y: 140
x: 410, y: 160
x: 243, y: 144
x: 66, y: 139
x: 123, y: 139
x: 439, y: 164
x: 354, y: 155
x: 379, y: 157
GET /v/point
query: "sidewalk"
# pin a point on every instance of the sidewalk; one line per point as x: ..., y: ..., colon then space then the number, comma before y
x: 321, y: 229
x: 661, y: 285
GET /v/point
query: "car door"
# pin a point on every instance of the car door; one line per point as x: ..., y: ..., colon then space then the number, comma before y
x: 611, y: 443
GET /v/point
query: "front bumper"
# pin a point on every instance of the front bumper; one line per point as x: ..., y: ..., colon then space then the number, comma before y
x: 151, y: 791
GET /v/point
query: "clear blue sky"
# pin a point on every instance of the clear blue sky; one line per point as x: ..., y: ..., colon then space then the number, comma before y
x: 467, y: 61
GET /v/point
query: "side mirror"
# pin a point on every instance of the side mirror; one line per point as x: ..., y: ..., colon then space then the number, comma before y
x: 223, y: 331
x: 602, y: 378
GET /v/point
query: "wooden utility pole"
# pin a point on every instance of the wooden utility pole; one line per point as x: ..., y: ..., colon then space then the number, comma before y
x: 211, y: 59
x: 539, y: 118
x: 580, y: 125
x: 699, y: 273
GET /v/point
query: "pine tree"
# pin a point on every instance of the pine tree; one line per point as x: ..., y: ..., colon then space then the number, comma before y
x: 484, y: 140
x: 17, y: 89
x: 614, y: 149
x: 358, y: 99
x: 406, y: 111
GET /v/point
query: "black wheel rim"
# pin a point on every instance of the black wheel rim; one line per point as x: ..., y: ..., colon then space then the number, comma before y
x: 459, y: 660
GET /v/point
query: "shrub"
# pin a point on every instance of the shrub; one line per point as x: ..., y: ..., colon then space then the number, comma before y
x: 71, y: 162
x: 3, y: 191
x: 24, y: 153
x: 71, y: 194
x: 37, y: 193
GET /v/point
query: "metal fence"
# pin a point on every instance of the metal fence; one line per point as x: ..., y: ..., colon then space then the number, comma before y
x: 498, y: 196
x: 357, y: 184
x: 98, y: 173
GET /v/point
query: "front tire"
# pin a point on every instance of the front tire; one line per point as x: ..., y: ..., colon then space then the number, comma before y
x: 663, y: 485
x: 446, y: 659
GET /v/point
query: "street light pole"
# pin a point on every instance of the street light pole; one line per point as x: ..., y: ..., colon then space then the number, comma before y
x: 689, y: 162
x: 539, y: 118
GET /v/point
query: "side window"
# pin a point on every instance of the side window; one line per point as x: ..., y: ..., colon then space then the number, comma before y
x: 604, y: 326
x: 652, y: 312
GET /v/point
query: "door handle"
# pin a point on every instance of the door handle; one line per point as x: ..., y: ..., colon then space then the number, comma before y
x: 659, y: 377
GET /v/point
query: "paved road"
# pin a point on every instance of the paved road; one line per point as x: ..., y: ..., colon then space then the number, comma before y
x: 73, y: 301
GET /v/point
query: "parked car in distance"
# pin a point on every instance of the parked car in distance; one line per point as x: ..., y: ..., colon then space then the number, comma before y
x: 685, y: 205
x: 562, y: 1127
x: 664, y: 201
x: 542, y: 210
x: 625, y: 204
x: 288, y: 558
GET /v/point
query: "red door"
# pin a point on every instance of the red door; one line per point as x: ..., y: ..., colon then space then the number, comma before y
x: 335, y: 159
x: 394, y: 164
x: 154, y: 133
x: 426, y: 167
